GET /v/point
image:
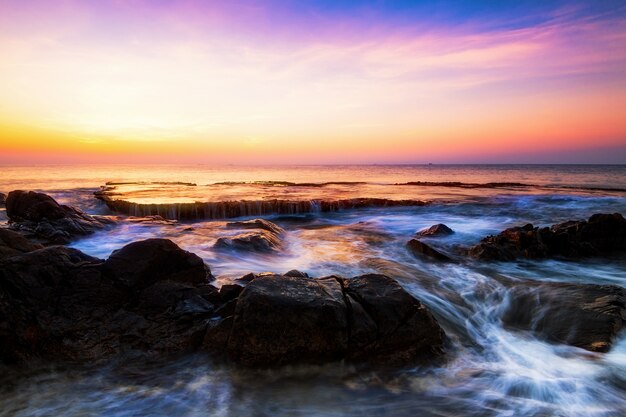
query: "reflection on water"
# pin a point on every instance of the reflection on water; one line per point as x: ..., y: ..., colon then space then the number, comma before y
x: 488, y: 371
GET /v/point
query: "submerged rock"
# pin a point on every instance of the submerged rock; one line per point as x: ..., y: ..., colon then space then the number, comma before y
x: 259, y: 241
x: 257, y: 224
x: 436, y: 230
x: 13, y: 243
x: 39, y: 215
x: 602, y: 234
x: 586, y: 316
x: 265, y: 239
x: 420, y: 249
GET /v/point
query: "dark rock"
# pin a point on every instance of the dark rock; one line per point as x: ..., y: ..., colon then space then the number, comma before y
x: 247, y: 278
x: 257, y: 224
x: 280, y: 319
x: 230, y: 292
x: 601, y: 235
x: 3, y: 199
x: 586, y: 316
x: 58, y: 303
x: 420, y: 249
x: 297, y: 274
x: 152, y: 298
x: 13, y: 243
x: 258, y: 241
x: 388, y: 322
x: 436, y: 230
x: 141, y: 264
x: 39, y: 215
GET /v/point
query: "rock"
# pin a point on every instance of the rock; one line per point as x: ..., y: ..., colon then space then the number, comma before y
x: 3, y: 199
x: 280, y: 320
x: 601, y: 235
x: 13, y: 243
x: 296, y: 273
x: 52, y: 304
x: 420, y: 250
x: 259, y: 241
x: 60, y: 304
x: 141, y: 264
x: 39, y: 215
x: 257, y: 224
x: 585, y: 316
x: 436, y: 230
x: 152, y: 298
x: 388, y: 322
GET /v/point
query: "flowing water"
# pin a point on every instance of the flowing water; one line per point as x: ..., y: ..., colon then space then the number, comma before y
x: 488, y: 370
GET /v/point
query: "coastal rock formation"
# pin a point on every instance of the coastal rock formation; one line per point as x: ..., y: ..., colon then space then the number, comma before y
x: 39, y: 215
x: 420, y: 249
x: 13, y: 243
x: 3, y: 199
x: 240, y: 208
x: 436, y: 230
x: 257, y: 224
x: 152, y: 297
x: 266, y: 237
x: 602, y: 234
x: 141, y: 264
x: 280, y: 319
x: 586, y: 316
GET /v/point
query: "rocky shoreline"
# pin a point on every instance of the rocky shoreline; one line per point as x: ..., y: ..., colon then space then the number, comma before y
x: 153, y: 298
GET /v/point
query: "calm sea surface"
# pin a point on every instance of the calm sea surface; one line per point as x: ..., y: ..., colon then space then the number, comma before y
x: 489, y: 371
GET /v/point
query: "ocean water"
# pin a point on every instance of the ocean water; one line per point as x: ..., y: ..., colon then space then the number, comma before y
x: 488, y: 370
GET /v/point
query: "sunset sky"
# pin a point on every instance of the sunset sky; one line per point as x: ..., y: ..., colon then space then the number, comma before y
x: 312, y: 81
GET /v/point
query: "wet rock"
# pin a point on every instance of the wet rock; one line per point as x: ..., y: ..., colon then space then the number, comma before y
x: 258, y: 241
x: 586, y: 316
x: 601, y: 235
x: 152, y: 298
x: 13, y: 243
x: 257, y: 224
x: 389, y: 323
x: 436, y: 230
x: 39, y: 215
x: 280, y: 319
x: 297, y: 274
x: 141, y: 264
x: 420, y: 249
x: 60, y: 304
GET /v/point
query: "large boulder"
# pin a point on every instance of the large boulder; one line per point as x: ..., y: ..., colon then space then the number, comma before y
x: 58, y: 303
x: 141, y: 264
x: 13, y: 243
x: 586, y: 316
x: 601, y: 235
x: 280, y: 319
x: 40, y: 216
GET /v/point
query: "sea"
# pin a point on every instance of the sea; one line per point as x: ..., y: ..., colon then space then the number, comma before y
x: 488, y: 370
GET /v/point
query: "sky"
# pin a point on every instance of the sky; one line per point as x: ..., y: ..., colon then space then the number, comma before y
x: 307, y: 82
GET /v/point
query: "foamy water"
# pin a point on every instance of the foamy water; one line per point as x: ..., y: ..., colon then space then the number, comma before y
x: 488, y: 370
